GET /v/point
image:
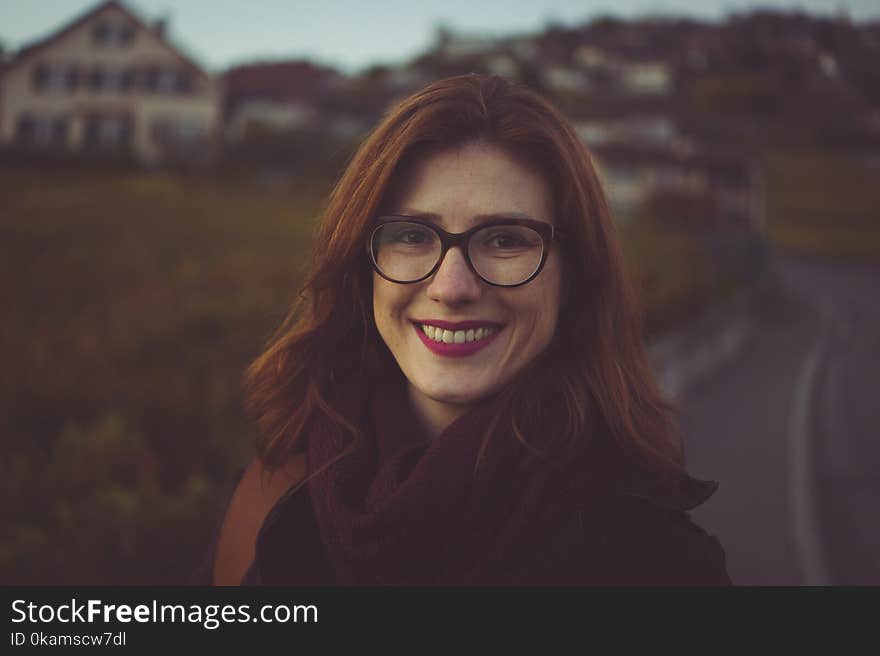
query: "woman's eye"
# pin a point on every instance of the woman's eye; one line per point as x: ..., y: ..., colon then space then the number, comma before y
x: 504, y: 240
x: 412, y: 237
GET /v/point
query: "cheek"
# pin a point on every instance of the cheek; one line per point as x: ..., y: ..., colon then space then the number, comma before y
x: 381, y: 303
x: 548, y: 299
x: 536, y: 311
x: 548, y: 318
x: 389, y: 300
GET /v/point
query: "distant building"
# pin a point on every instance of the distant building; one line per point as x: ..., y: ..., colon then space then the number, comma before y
x: 647, y: 78
x: 525, y: 48
x: 268, y: 114
x: 276, y: 96
x: 561, y: 79
x: 406, y: 79
x: 503, y: 65
x: 632, y: 173
x: 644, y: 130
x: 591, y: 57
x: 108, y: 81
x: 453, y: 45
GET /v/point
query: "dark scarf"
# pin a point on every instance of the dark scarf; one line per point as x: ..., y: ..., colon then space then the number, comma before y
x: 402, y: 511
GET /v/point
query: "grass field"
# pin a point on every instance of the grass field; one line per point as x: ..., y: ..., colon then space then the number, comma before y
x: 823, y: 204
x: 132, y: 303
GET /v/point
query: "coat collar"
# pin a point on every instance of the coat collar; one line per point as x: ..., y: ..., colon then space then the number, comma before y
x: 621, y: 476
x: 684, y: 495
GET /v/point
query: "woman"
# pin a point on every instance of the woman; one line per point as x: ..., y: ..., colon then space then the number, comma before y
x: 461, y: 394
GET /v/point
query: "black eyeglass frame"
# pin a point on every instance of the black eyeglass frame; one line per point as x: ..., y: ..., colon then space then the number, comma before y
x: 548, y: 233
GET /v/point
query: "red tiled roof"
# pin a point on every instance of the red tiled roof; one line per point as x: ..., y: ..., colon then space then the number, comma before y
x: 285, y: 79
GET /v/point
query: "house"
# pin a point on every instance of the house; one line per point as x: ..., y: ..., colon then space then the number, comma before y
x: 108, y: 80
x: 633, y: 172
x: 562, y: 79
x: 453, y: 45
x: 647, y: 78
x: 503, y: 65
x: 655, y: 130
x: 277, y: 96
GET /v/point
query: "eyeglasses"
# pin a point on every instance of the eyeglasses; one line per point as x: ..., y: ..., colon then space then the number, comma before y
x: 501, y: 252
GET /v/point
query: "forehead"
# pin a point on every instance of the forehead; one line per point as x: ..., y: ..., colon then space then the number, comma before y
x: 458, y: 185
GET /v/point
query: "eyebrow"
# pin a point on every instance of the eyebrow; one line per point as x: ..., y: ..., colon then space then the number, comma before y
x: 437, y: 218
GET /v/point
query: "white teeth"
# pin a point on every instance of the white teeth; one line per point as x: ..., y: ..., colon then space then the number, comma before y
x: 456, y: 336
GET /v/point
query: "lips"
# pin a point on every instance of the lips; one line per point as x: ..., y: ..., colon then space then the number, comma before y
x: 458, y: 325
x: 456, y: 339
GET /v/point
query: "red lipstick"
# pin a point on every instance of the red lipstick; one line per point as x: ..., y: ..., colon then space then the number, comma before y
x: 458, y: 325
x: 457, y: 350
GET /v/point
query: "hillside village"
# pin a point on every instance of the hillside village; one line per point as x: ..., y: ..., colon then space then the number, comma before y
x: 670, y: 108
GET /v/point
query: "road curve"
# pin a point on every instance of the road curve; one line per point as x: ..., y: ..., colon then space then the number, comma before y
x: 790, y: 429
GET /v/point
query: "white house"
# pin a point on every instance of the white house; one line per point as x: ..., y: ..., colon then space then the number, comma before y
x: 563, y: 79
x: 645, y: 130
x: 108, y: 80
x: 648, y: 78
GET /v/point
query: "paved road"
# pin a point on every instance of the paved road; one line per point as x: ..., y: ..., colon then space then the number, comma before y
x: 791, y: 429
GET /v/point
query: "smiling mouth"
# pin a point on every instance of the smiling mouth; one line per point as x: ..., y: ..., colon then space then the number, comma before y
x: 467, y: 338
x: 445, y: 336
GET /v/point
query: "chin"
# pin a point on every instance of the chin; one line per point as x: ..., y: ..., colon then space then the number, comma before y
x: 456, y: 397
x: 456, y: 394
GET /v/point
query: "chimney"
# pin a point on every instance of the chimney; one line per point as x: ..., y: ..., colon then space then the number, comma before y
x: 160, y: 26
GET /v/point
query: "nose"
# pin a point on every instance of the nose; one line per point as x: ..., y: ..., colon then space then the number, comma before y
x: 453, y: 282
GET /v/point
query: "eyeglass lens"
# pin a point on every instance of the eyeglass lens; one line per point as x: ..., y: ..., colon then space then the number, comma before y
x: 501, y: 254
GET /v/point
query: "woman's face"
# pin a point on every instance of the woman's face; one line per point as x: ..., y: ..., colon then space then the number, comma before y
x: 458, y: 188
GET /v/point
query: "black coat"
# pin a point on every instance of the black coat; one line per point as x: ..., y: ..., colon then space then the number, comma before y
x: 629, y: 537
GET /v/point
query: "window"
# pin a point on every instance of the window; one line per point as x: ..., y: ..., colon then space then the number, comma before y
x: 53, y: 78
x: 40, y: 76
x: 114, y: 34
x: 56, y: 79
x: 72, y: 75
x: 100, y: 32
x: 42, y: 130
x: 184, y: 81
x: 151, y: 78
x: 159, y: 79
x: 164, y: 79
x: 126, y: 35
x: 108, y: 130
x: 119, y: 81
x: 24, y: 130
x: 167, y: 80
x: 96, y: 79
x: 177, y: 130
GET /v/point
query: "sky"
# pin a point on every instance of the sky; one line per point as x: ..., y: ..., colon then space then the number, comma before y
x: 354, y: 34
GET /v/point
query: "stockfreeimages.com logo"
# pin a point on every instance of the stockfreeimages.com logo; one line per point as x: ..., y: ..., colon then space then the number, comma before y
x: 210, y: 616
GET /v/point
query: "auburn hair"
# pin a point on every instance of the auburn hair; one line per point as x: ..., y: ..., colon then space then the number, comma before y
x: 593, y: 380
